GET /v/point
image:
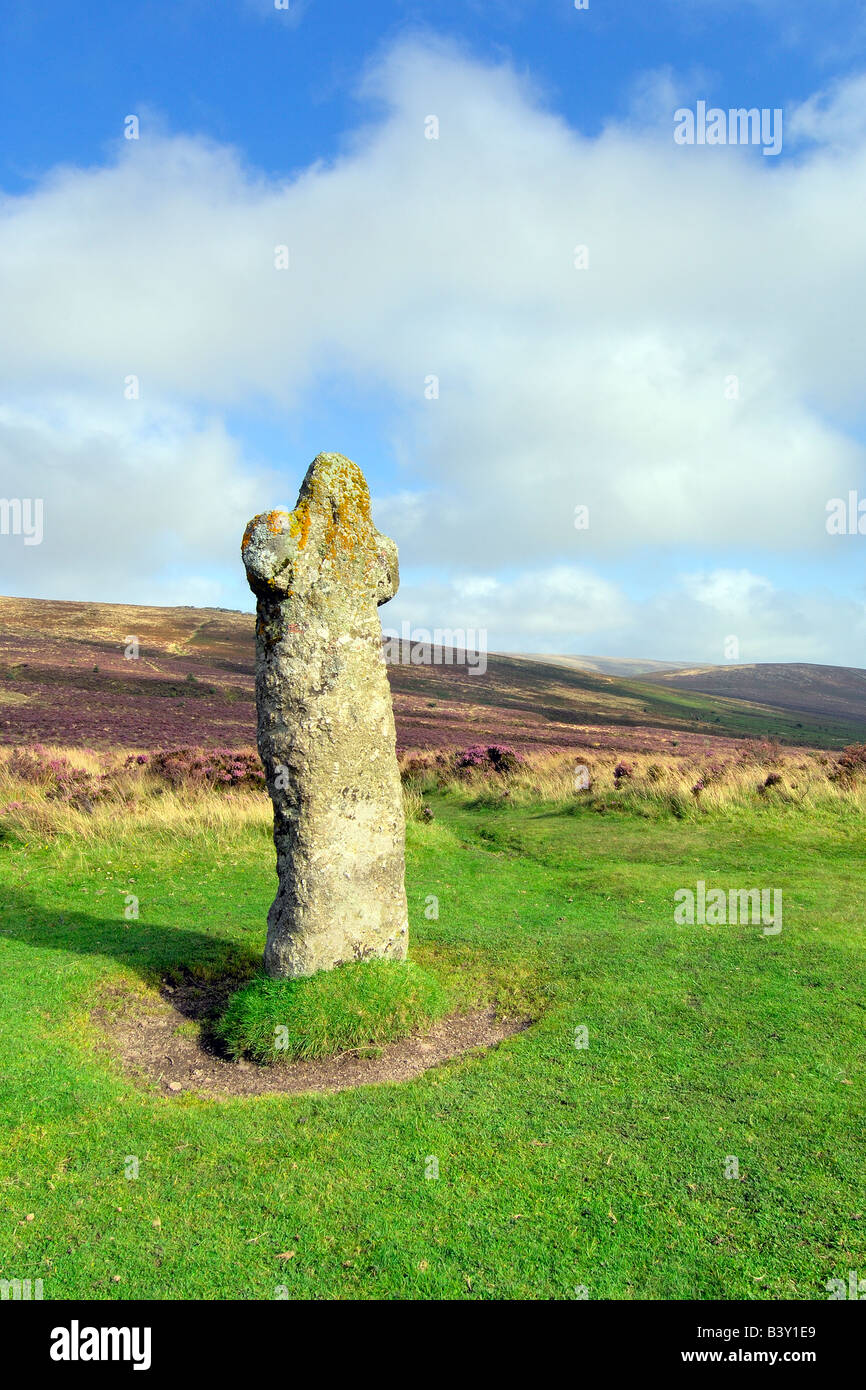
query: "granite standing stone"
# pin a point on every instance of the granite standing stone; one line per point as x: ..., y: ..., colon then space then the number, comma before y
x: 326, y: 725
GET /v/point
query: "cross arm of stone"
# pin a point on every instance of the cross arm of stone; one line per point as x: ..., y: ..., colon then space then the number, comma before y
x: 327, y: 544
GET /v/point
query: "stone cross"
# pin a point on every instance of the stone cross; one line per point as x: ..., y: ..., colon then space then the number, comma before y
x: 326, y: 725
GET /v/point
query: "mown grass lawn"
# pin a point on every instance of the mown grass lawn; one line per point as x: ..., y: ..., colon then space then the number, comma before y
x: 560, y: 1167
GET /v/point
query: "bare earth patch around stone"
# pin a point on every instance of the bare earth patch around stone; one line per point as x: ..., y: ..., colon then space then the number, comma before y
x: 156, y: 1044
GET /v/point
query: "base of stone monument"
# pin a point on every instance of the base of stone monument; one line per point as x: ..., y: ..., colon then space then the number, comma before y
x: 160, y: 1043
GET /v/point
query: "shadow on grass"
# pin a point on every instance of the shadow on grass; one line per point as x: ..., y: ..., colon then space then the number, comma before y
x: 157, y: 952
x: 194, y: 971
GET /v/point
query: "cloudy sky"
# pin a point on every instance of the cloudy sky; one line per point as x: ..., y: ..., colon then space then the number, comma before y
x: 693, y: 377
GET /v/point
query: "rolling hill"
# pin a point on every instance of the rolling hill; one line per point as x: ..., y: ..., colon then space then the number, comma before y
x: 839, y: 691
x: 65, y: 678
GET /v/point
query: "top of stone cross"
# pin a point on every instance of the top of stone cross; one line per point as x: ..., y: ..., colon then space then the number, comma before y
x: 328, y: 542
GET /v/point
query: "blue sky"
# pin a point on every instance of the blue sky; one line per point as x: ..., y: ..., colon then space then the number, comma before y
x: 281, y: 84
x: 450, y: 257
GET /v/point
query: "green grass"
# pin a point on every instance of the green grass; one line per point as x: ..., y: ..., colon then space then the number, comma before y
x: 354, y: 1006
x: 558, y: 1165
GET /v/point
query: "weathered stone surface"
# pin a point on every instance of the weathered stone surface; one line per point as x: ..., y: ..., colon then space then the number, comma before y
x: 326, y: 725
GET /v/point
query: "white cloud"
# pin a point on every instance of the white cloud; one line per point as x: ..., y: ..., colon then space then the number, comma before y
x: 544, y: 608
x: 608, y: 387
x: 726, y: 590
x: 564, y: 609
x: 124, y: 496
x: 834, y: 117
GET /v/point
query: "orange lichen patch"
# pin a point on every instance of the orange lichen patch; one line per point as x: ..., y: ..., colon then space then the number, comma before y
x: 334, y: 509
x: 300, y: 524
x: 333, y: 478
x: 272, y: 520
x: 336, y: 494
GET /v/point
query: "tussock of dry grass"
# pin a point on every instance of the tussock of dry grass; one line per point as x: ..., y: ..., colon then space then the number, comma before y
x: 129, y: 802
x: 755, y: 776
x: 133, y: 799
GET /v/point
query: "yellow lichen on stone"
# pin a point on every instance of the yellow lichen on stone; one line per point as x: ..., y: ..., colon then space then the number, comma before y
x: 335, y: 489
x: 272, y: 520
x: 300, y: 524
x: 332, y: 517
